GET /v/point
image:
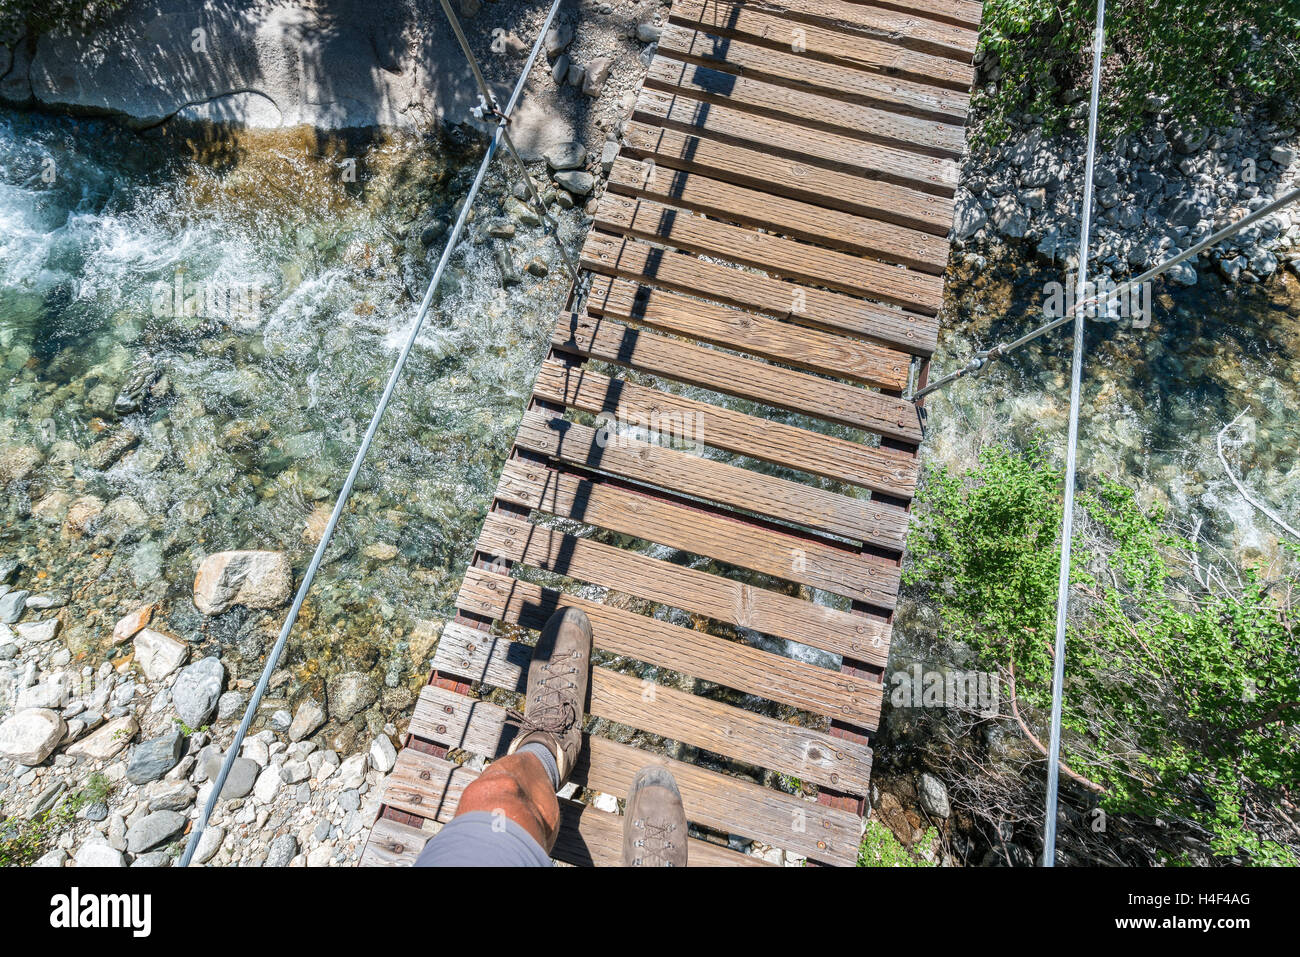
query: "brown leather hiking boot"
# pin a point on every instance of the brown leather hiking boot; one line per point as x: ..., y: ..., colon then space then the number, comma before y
x: 557, y: 688
x: 654, y: 823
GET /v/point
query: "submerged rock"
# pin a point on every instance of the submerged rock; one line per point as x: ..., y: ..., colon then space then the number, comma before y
x: 255, y: 579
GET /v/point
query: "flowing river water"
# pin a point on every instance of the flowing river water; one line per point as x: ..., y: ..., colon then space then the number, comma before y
x: 256, y: 292
x: 250, y: 295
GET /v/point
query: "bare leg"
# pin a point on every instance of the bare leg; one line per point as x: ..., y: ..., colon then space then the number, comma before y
x: 518, y: 787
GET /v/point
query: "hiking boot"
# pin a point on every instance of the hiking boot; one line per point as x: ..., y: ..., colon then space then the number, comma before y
x: 654, y: 825
x: 557, y: 689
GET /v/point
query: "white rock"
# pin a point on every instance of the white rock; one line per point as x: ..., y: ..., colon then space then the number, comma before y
x: 255, y: 750
x: 54, y: 692
x: 209, y: 844
x: 382, y: 754
x: 55, y: 858
x: 320, y: 856
x: 38, y: 630
x: 295, y: 772
x: 268, y: 785
x: 98, y: 855
x: 29, y: 736
x: 159, y: 654
x: 352, y: 772
x: 108, y: 741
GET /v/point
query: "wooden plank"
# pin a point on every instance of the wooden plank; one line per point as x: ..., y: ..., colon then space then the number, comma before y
x: 722, y: 599
x: 644, y: 219
x: 812, y: 75
x: 755, y: 208
x: 783, y: 342
x: 607, y: 505
x: 391, y: 844
x: 805, y: 753
x: 685, y: 474
x: 806, y: 305
x: 879, y: 469
x: 795, y: 107
x: 781, y: 176
x: 723, y: 372
x: 501, y: 597
x: 905, y: 29
x: 421, y: 782
x: 742, y: 20
x: 814, y: 147
x: 965, y: 13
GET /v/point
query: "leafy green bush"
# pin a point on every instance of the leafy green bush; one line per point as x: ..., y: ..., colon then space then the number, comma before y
x: 1181, y: 698
x: 1206, y: 56
x: 879, y: 848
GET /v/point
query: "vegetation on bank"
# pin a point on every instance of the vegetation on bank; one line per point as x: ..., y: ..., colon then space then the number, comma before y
x: 1207, y: 57
x: 1182, y: 698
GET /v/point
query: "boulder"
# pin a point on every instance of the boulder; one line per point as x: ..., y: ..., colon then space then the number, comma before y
x: 153, y: 829
x: 597, y: 73
x: 197, y: 689
x: 151, y: 759
x: 30, y: 736
x: 283, y: 850
x: 255, y: 579
x: 108, y: 741
x: 351, y: 692
x: 578, y: 182
x: 159, y: 654
x: 933, y: 795
x: 568, y: 155
x: 98, y: 855
x: 308, y: 719
x: 12, y: 606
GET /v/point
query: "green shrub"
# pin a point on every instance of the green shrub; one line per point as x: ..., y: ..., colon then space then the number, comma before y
x: 1206, y: 56
x: 1181, y: 694
x: 879, y: 848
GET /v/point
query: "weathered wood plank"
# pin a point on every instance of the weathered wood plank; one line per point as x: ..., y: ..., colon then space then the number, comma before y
x: 879, y: 469
x: 730, y: 18
x: 964, y: 13
x: 391, y: 844
x: 686, y: 474
x: 814, y: 76
x: 606, y: 505
x: 805, y: 753
x: 784, y: 342
x: 805, y: 305
x: 797, y: 108
x: 905, y: 29
x: 775, y: 255
x: 774, y: 214
x: 782, y: 176
x: 493, y: 595
x: 716, y: 597
x: 815, y: 147
x: 420, y: 783
x: 723, y: 372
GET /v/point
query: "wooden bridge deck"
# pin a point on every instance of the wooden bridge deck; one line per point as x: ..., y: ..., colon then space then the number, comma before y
x: 774, y: 231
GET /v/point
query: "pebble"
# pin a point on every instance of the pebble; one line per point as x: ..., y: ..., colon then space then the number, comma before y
x: 283, y: 850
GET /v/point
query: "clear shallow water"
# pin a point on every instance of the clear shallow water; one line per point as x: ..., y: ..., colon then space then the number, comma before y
x: 1154, y: 399
x: 253, y: 408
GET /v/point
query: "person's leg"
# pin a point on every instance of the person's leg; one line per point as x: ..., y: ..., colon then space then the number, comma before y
x: 519, y: 788
x: 509, y: 815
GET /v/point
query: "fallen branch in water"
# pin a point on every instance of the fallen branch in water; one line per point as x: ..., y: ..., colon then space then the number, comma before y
x: 1245, y: 492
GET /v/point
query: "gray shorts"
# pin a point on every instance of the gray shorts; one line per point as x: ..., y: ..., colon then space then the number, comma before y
x: 482, y: 839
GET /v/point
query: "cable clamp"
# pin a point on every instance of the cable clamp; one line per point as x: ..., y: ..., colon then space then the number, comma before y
x: 484, y: 110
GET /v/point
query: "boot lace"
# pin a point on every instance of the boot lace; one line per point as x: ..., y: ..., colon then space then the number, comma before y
x: 550, y: 708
